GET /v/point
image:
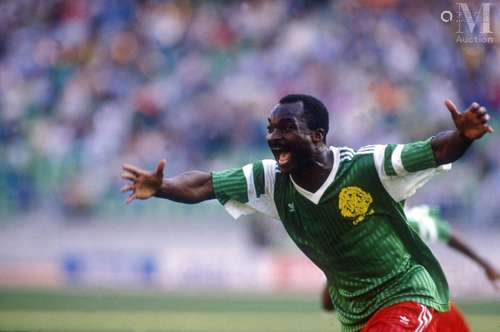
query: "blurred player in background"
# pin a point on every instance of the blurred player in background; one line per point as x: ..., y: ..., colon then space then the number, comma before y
x: 430, y: 227
x: 343, y: 209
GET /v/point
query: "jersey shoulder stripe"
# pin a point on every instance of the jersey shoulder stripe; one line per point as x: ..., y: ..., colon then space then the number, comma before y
x: 346, y: 150
x: 347, y: 157
x: 366, y: 149
x: 346, y: 153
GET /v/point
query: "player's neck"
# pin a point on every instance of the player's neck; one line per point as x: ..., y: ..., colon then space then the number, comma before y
x: 314, y: 174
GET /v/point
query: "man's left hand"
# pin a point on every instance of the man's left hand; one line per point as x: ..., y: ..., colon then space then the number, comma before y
x: 471, y: 124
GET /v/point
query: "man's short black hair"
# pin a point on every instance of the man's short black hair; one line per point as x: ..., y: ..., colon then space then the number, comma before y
x: 315, y: 112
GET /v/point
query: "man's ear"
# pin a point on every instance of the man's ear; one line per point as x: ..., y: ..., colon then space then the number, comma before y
x: 319, y: 135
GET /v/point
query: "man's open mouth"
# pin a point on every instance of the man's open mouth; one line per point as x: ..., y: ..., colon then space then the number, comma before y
x: 283, y: 156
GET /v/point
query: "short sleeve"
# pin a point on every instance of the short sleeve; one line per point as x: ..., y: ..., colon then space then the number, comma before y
x: 247, y: 190
x: 403, y: 168
x: 426, y: 222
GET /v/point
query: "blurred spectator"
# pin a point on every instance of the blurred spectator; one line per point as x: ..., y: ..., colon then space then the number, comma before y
x: 85, y: 85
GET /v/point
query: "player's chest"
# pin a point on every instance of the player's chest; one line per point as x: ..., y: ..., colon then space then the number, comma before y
x: 344, y: 206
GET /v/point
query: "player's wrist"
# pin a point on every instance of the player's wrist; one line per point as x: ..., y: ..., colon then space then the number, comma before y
x: 461, y: 135
x: 162, y: 190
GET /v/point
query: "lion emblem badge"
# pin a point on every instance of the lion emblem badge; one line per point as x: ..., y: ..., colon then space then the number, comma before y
x: 354, y: 203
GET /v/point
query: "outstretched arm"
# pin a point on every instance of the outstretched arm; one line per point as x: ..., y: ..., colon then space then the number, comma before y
x: 470, y: 125
x: 491, y: 273
x: 189, y: 187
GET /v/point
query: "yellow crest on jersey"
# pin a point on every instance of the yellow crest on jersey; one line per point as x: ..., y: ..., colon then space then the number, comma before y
x: 355, y: 203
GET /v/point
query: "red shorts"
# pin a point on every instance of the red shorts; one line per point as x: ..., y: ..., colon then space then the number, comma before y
x: 413, y: 316
x: 452, y: 320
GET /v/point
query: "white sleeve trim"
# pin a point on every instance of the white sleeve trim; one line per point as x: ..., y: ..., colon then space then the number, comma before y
x: 269, y: 175
x: 402, y: 187
x: 263, y: 204
x: 396, y: 161
x: 248, y: 172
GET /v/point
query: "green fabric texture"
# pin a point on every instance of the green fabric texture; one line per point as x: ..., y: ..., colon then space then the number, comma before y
x: 358, y: 236
x: 230, y: 184
x: 418, y: 156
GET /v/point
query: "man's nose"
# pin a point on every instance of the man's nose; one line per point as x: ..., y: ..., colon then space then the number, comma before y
x: 274, y: 135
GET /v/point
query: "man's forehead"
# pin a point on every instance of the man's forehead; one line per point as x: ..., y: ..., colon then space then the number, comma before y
x: 288, y: 110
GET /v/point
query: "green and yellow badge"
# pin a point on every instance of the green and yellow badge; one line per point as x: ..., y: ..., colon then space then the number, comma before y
x: 355, y: 203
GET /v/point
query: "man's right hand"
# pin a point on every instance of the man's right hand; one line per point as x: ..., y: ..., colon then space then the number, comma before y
x: 144, y: 184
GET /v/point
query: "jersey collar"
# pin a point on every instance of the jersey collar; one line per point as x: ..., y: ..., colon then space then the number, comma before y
x: 316, y: 196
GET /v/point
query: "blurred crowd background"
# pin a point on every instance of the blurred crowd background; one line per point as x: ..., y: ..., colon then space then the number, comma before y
x: 88, y: 85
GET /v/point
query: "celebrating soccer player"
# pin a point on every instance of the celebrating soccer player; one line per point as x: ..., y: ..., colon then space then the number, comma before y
x: 343, y: 209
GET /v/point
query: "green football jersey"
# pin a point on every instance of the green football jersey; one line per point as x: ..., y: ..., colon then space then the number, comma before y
x: 353, y: 227
x: 426, y: 222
